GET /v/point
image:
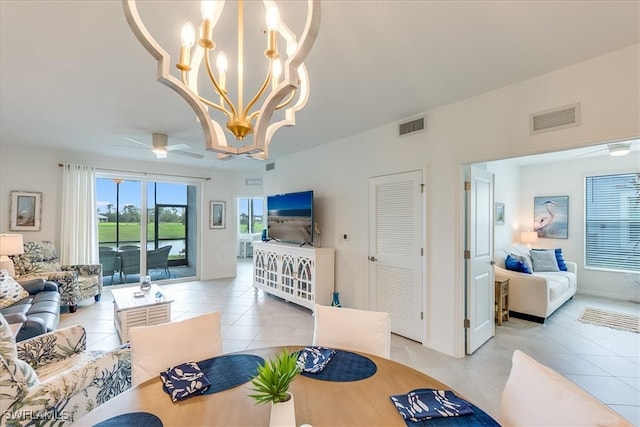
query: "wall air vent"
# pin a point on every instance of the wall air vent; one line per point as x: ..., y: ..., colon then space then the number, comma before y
x: 270, y: 166
x: 412, y: 126
x: 556, y: 119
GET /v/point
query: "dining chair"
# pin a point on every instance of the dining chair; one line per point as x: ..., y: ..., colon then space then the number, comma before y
x: 536, y: 395
x: 158, y: 347
x: 352, y: 329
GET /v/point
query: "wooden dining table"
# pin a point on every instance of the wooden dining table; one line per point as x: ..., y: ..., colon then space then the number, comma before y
x: 318, y: 403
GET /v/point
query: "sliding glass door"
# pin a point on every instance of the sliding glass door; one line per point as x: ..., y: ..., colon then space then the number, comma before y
x: 159, y: 240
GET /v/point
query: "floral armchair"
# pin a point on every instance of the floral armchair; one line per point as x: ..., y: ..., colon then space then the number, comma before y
x: 52, y: 380
x: 75, y: 282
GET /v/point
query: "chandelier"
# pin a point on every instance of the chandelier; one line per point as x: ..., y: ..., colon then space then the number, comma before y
x: 285, y: 85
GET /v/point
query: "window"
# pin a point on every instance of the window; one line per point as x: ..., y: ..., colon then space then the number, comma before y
x: 612, y: 210
x: 250, y: 215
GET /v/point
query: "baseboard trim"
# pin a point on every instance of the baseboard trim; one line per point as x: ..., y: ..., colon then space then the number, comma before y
x: 525, y: 316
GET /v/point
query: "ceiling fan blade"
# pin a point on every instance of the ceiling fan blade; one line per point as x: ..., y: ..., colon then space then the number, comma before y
x: 177, y: 147
x: 591, y: 152
x: 188, y: 154
x: 137, y: 142
x: 131, y: 146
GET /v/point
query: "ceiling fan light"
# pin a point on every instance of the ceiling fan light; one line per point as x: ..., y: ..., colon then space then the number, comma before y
x: 619, y: 149
x: 160, y: 153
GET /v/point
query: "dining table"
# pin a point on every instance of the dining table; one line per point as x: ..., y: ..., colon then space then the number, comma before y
x: 353, y: 390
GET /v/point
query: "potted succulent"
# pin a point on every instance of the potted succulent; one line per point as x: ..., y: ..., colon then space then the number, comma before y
x: 271, y: 385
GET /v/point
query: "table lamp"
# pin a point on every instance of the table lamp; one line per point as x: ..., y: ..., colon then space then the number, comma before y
x: 529, y: 237
x: 10, y: 244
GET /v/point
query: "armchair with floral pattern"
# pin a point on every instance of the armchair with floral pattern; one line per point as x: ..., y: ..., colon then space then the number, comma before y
x: 52, y: 380
x: 75, y: 282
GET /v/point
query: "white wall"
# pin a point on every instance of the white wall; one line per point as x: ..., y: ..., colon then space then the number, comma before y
x: 487, y: 127
x: 30, y: 169
x: 507, y: 191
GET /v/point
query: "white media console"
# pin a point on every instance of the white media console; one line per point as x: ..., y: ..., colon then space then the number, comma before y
x: 302, y: 275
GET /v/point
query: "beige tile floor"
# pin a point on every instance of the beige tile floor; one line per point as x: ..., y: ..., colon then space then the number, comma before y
x: 603, y: 361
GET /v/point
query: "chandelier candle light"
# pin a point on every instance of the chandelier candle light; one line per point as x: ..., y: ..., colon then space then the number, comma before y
x: 288, y: 92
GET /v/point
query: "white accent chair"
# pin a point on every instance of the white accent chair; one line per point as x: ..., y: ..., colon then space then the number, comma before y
x: 352, y: 329
x: 158, y: 347
x: 536, y: 395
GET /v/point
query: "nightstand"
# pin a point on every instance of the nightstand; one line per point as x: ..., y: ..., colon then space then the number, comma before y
x: 502, y: 300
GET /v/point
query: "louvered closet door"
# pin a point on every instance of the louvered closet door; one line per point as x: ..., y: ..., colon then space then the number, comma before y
x: 395, y: 259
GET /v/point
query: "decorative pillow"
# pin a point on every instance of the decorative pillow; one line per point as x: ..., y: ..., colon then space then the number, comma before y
x: 19, y: 370
x: 560, y: 259
x: 544, y: 260
x: 11, y: 292
x: 517, y: 263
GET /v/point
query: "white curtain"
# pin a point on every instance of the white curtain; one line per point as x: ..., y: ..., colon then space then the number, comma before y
x: 79, y: 227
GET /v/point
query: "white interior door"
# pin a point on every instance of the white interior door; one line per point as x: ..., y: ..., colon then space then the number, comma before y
x: 479, y: 280
x: 395, y: 250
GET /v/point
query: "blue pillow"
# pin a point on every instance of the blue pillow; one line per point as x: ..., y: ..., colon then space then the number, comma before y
x: 560, y: 259
x: 516, y: 263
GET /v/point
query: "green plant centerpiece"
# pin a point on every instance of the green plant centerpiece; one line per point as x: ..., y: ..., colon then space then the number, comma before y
x: 274, y: 377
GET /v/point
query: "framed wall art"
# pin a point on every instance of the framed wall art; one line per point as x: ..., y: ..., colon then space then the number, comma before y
x: 26, y: 210
x: 551, y: 216
x: 499, y: 214
x: 217, y: 214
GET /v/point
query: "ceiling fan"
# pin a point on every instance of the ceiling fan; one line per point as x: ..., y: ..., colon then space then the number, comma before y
x: 615, y: 149
x: 160, y: 147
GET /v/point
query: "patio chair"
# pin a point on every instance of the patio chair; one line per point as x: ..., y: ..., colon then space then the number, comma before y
x: 110, y: 262
x: 129, y: 263
x: 159, y: 259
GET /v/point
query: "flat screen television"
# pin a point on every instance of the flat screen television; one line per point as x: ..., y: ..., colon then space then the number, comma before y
x: 290, y: 217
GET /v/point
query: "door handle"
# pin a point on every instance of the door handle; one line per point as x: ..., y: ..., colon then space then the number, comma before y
x: 372, y: 258
x: 492, y: 262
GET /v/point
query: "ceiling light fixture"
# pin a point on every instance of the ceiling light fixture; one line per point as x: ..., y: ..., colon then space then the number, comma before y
x: 285, y: 86
x: 618, y: 149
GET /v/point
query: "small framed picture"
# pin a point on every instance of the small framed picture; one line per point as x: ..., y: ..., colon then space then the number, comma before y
x: 499, y: 214
x: 26, y: 209
x: 217, y: 214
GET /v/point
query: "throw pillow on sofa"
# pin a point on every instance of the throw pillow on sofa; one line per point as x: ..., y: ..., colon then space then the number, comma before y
x: 544, y: 260
x: 10, y: 290
x: 560, y: 259
x: 517, y: 263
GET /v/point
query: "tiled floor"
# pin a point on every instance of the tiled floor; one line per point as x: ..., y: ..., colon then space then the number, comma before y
x: 603, y: 361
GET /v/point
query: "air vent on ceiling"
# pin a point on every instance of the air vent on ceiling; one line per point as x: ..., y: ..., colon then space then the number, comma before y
x: 556, y: 119
x: 412, y: 126
x: 270, y: 166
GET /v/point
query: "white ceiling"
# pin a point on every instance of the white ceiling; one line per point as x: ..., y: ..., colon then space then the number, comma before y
x: 73, y: 76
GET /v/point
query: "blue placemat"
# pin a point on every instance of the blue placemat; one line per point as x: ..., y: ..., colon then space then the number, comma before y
x: 225, y: 372
x: 479, y: 418
x: 345, y: 366
x: 137, y: 419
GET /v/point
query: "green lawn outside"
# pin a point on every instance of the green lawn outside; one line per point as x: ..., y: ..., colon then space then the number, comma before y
x: 130, y: 232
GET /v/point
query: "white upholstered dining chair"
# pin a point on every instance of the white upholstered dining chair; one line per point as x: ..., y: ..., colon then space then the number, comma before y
x: 536, y: 395
x: 352, y: 329
x: 158, y: 347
